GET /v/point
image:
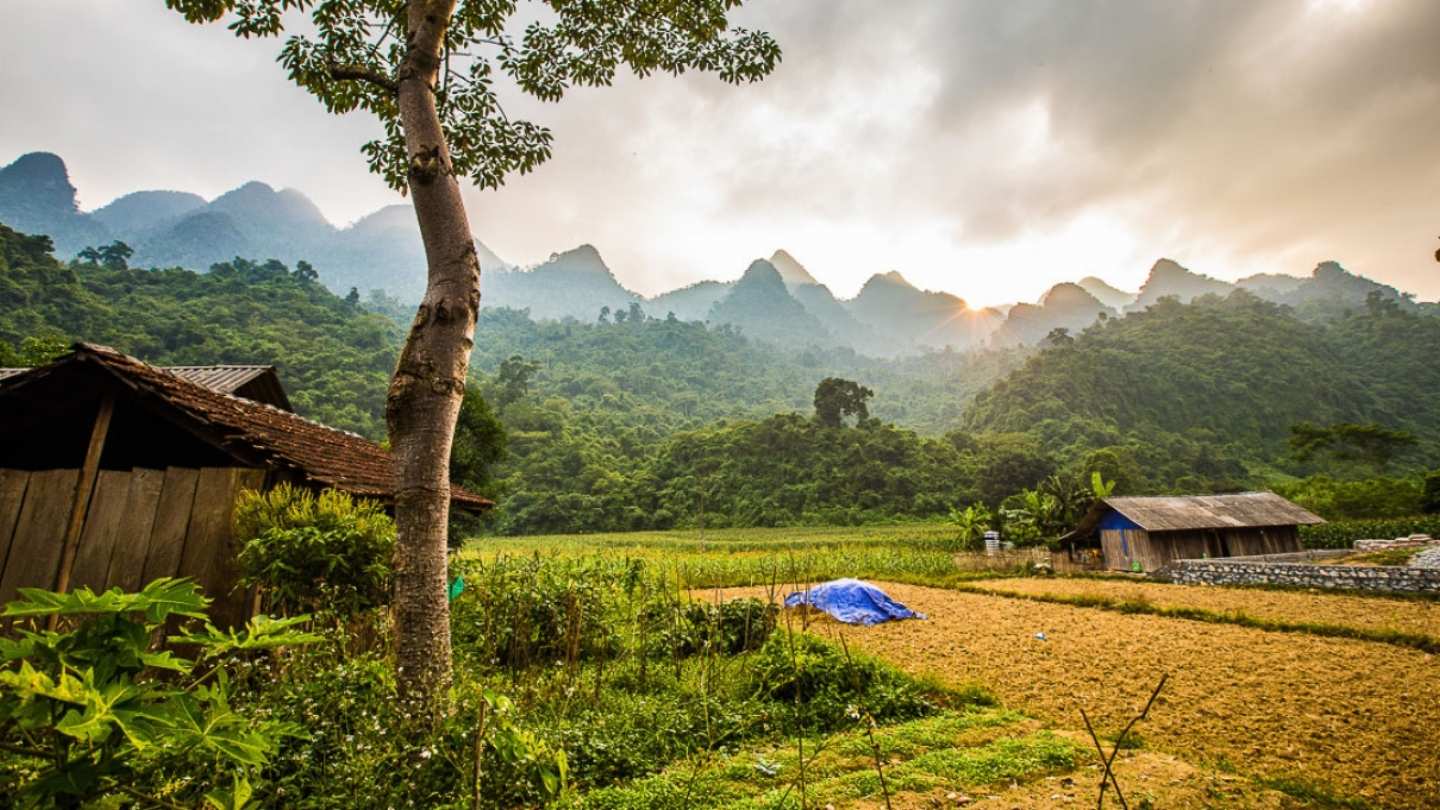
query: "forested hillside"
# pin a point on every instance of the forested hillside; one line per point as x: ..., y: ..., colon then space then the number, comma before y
x: 334, y: 358
x: 1175, y: 383
x: 636, y: 421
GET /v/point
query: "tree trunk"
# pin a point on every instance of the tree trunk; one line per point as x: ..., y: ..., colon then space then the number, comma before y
x: 424, y: 398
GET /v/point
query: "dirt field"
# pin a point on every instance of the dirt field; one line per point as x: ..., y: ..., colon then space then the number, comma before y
x: 1370, y: 613
x: 1358, y: 718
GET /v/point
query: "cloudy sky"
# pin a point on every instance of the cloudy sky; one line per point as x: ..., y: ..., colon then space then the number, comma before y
x: 988, y: 149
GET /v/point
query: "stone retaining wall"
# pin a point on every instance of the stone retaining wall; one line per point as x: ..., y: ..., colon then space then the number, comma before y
x: 1259, y: 571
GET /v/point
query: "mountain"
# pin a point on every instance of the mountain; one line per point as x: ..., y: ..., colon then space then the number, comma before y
x: 691, y: 302
x: 763, y: 308
x: 1167, y: 278
x: 141, y: 211
x: 1106, y: 294
x: 382, y: 251
x: 791, y: 271
x: 283, y: 225
x: 909, y: 319
x: 1271, y: 286
x: 843, y: 327
x: 574, y: 284
x: 1064, y: 306
x: 36, y: 197
x: 1187, y: 386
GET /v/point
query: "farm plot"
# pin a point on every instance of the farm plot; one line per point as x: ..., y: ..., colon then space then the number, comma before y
x: 1352, y: 717
x: 1378, y: 614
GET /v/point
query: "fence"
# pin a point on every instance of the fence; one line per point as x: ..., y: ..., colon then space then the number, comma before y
x: 137, y: 525
x: 1061, y: 562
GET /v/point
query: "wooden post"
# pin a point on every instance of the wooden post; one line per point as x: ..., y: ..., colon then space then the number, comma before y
x: 83, y: 488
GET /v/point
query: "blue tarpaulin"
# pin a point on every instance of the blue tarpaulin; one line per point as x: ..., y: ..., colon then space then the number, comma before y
x: 852, y: 601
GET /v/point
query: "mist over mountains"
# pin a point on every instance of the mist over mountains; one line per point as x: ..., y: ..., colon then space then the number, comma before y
x: 776, y: 299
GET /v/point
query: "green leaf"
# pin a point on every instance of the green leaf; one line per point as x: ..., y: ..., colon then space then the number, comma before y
x: 157, y: 601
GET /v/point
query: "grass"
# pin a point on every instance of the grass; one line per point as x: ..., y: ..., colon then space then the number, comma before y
x: 1389, y: 556
x: 955, y: 750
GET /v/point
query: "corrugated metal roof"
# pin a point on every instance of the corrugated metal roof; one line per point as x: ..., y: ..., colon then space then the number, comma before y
x: 1163, y: 514
x: 330, y: 457
x: 225, y: 379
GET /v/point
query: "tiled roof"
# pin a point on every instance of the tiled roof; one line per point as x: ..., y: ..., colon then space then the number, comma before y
x: 325, y: 455
x: 227, y: 379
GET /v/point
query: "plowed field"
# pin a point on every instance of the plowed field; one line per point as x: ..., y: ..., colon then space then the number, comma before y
x: 1364, y: 612
x: 1358, y: 718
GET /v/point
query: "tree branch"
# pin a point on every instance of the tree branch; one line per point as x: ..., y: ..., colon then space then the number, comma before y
x: 363, y: 74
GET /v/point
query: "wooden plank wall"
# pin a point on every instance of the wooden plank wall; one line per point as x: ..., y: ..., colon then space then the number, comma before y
x: 141, y: 524
x: 1156, y: 550
x: 34, y: 558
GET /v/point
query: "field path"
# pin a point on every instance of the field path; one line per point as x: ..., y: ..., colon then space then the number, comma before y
x: 1358, y: 718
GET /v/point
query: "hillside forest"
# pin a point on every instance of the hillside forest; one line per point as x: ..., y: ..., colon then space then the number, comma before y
x: 632, y: 421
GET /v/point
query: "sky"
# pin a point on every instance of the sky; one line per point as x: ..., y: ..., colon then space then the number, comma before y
x: 988, y: 149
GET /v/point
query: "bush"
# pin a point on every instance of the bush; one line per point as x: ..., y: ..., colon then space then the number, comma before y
x: 685, y: 628
x: 95, y: 710
x: 330, y: 553
x: 1368, y: 499
x: 1344, y: 533
x: 1430, y: 500
x: 519, y: 612
x: 368, y: 748
x: 828, y: 688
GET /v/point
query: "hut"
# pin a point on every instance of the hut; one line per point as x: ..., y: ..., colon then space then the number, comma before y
x: 114, y: 472
x: 1143, y: 534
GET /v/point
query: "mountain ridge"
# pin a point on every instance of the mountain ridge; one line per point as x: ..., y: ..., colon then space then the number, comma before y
x: 382, y: 250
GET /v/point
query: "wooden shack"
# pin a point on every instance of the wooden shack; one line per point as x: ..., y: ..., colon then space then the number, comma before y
x: 1143, y: 534
x: 114, y: 472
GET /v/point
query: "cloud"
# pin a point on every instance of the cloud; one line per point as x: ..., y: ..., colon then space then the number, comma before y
x: 990, y: 149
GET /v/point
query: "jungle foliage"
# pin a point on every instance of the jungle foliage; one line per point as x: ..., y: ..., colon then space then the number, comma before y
x: 652, y: 423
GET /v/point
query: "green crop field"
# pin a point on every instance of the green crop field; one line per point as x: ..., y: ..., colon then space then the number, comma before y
x: 919, y: 553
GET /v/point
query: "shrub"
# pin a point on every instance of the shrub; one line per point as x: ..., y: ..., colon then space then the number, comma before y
x: 1344, y: 533
x: 330, y: 553
x: 368, y: 748
x: 828, y: 688
x: 516, y: 612
x: 1367, y: 499
x: 1430, y: 500
x: 685, y: 628
x: 88, y: 711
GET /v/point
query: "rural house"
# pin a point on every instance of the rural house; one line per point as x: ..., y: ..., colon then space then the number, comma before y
x: 1143, y: 534
x: 114, y: 472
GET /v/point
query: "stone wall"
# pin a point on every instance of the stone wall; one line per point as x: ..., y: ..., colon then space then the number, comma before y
x: 1262, y: 571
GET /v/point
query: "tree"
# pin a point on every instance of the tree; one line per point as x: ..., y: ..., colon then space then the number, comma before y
x: 353, y: 297
x: 35, y: 350
x: 1031, y: 515
x: 1430, y: 500
x: 514, y: 378
x: 115, y: 256
x: 836, y: 398
x: 1367, y: 443
x: 479, y: 444
x: 426, y: 69
x: 971, y: 523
